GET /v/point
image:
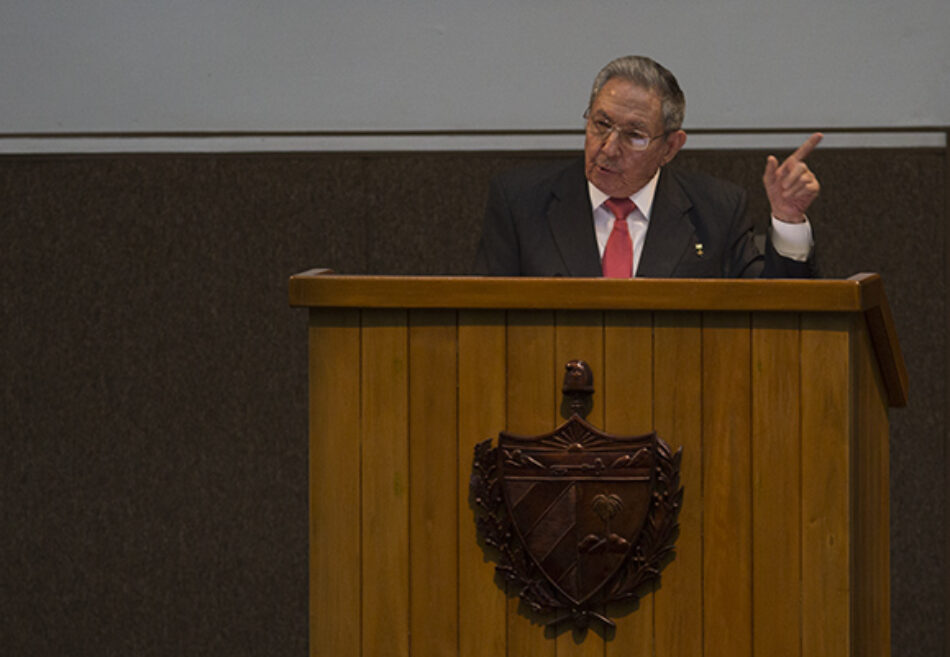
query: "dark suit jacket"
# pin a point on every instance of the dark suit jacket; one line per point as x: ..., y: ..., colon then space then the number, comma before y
x: 539, y: 222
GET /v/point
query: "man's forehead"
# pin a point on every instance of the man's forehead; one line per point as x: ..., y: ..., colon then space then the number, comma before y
x: 602, y: 113
x: 637, y: 114
x: 619, y: 94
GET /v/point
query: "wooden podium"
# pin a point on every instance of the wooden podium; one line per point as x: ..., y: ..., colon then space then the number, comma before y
x: 777, y: 392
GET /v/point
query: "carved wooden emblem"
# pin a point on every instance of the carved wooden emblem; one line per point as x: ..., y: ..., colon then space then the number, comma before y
x: 580, y: 518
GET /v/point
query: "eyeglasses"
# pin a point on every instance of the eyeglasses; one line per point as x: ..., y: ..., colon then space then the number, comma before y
x: 635, y: 140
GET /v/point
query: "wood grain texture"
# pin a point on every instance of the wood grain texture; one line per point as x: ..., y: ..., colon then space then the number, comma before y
x: 678, y: 412
x: 862, y: 292
x: 776, y: 486
x: 628, y: 372
x: 334, y: 485
x: 385, y: 482
x: 628, y: 411
x: 532, y: 372
x: 433, y: 464
x: 727, y: 509
x: 827, y: 412
x: 783, y: 542
x: 580, y: 336
x: 482, y: 603
x: 532, y: 382
x: 871, y: 531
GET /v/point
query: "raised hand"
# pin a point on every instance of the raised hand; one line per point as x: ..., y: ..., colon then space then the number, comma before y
x: 791, y: 186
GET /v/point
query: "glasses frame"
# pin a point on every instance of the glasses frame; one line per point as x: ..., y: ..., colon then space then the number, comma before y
x: 634, y: 141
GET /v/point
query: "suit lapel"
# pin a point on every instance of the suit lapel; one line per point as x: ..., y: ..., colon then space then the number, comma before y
x: 669, y: 233
x: 572, y: 223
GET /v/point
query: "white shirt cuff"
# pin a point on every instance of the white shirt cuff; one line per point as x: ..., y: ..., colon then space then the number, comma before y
x: 792, y: 240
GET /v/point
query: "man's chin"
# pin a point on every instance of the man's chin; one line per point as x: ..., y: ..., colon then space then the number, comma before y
x: 606, y: 181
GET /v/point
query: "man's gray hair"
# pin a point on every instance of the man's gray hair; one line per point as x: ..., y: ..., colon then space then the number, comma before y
x: 649, y: 74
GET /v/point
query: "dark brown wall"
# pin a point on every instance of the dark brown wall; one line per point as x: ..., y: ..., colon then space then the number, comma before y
x: 153, y: 405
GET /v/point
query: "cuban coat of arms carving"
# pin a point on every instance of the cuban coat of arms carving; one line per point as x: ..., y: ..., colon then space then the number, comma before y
x: 579, y: 518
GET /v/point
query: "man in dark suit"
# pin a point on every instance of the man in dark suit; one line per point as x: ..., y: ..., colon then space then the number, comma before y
x: 619, y: 212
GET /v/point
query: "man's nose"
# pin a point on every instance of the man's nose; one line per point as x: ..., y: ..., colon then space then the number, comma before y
x: 612, y: 143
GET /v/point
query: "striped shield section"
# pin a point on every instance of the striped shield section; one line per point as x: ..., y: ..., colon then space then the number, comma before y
x: 578, y: 500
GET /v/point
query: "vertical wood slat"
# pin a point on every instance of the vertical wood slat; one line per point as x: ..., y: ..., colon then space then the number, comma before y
x: 678, y: 417
x: 628, y: 373
x: 580, y: 336
x: 482, y: 604
x: 532, y: 378
x: 776, y: 482
x: 826, y: 484
x: 334, y: 485
x: 727, y: 513
x: 871, y: 596
x: 531, y: 405
x: 385, y: 482
x: 628, y: 411
x: 433, y: 465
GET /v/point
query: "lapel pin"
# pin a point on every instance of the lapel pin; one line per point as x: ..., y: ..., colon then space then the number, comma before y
x: 699, y: 249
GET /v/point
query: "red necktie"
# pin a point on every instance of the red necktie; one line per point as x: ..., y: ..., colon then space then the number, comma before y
x: 618, y: 254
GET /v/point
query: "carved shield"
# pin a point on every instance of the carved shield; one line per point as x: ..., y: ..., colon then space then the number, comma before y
x: 578, y: 500
x: 580, y: 518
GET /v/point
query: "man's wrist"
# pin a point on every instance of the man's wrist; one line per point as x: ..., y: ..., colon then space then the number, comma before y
x: 789, y: 218
x: 792, y: 240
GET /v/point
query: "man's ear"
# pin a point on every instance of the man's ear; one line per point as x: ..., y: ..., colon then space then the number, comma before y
x: 674, y: 142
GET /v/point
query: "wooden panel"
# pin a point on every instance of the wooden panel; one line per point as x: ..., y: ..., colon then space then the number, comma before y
x: 482, y: 606
x: 678, y: 412
x: 385, y: 482
x: 433, y: 464
x: 727, y: 521
x: 628, y: 373
x: 580, y: 336
x: 826, y: 484
x: 776, y: 486
x: 628, y: 410
x: 334, y: 484
x: 752, y: 572
x: 862, y: 292
x: 872, y: 609
x: 532, y: 386
x: 532, y: 373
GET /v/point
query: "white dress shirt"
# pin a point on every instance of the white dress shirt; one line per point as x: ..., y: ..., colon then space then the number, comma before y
x: 790, y: 240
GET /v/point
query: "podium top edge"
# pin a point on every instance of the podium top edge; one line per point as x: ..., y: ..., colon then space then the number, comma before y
x: 320, y: 288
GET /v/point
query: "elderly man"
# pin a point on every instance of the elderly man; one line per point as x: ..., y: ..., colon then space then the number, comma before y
x: 620, y: 212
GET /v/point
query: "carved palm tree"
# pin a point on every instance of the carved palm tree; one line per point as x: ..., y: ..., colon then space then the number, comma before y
x: 606, y: 507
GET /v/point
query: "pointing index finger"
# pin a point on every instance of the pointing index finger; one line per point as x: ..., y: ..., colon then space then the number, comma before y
x: 806, y: 148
